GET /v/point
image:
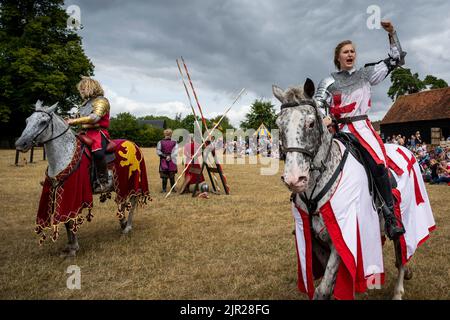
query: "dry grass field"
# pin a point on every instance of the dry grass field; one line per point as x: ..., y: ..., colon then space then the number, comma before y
x: 227, y: 247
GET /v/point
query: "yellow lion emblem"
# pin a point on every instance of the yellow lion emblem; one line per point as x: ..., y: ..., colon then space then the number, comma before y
x: 131, y: 159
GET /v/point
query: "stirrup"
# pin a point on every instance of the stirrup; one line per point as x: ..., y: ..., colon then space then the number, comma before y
x: 392, y: 228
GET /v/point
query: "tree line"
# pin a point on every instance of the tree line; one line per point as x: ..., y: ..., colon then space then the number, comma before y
x: 41, y: 58
x: 127, y: 126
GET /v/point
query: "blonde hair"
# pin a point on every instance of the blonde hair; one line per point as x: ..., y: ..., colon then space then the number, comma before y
x: 168, y: 133
x: 337, y: 51
x: 92, y: 86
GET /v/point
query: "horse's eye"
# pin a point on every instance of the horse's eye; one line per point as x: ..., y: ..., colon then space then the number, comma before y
x: 311, y: 125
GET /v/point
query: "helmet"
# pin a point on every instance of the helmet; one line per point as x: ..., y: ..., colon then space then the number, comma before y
x: 204, y: 187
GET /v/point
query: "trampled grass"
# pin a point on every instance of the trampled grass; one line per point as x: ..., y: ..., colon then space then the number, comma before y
x: 227, y: 247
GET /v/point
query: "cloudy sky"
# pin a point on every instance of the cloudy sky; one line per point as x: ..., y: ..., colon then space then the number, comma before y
x: 230, y: 45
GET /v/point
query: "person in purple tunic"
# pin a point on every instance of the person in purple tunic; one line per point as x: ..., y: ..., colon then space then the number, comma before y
x: 167, y: 150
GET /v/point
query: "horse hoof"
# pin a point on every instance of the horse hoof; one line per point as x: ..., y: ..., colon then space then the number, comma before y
x: 123, y: 225
x: 321, y: 296
x: 408, y: 274
x: 126, y: 230
x: 68, y: 253
x: 397, y: 296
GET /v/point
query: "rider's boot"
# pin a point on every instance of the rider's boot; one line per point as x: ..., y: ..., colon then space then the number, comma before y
x: 104, y: 184
x: 393, y: 227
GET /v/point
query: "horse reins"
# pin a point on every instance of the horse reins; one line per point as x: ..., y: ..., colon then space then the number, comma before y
x: 311, y: 154
x: 45, y: 128
x: 311, y: 203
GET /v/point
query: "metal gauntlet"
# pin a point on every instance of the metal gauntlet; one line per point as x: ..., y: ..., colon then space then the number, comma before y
x: 397, y: 56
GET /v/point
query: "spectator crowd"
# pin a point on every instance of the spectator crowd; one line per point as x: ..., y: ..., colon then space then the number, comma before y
x: 434, y: 162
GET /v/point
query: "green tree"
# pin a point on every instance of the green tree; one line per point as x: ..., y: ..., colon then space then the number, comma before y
x: 40, y: 58
x: 148, y: 136
x: 124, y: 126
x: 224, y: 124
x: 431, y: 82
x: 404, y: 82
x: 188, y: 123
x: 260, y: 112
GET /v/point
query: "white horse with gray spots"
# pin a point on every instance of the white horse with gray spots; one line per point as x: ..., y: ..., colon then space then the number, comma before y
x: 65, y: 154
x: 313, y: 169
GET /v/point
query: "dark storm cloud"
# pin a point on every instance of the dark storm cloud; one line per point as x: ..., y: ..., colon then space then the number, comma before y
x: 253, y: 44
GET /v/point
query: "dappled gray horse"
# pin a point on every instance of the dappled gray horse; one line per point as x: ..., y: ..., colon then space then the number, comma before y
x: 312, y: 167
x: 65, y: 154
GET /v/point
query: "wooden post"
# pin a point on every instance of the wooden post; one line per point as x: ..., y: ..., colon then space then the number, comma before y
x: 44, y: 156
x: 210, y: 177
x: 31, y: 154
x: 436, y: 134
x: 16, y: 162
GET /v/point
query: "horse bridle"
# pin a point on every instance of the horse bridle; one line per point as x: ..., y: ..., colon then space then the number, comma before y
x: 45, y: 128
x: 312, y: 202
x: 311, y: 154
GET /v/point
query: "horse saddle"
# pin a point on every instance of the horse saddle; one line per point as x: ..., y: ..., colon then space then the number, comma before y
x: 110, y: 147
x: 356, y: 149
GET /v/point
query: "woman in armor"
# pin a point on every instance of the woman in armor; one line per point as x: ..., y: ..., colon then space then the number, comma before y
x: 346, y: 97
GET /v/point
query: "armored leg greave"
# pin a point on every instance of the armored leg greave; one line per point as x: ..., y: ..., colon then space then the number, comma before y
x: 101, y: 167
x: 393, y: 226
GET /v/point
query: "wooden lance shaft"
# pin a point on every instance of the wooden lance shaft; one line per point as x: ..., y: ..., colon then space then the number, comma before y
x: 195, y: 95
x: 192, y: 108
x: 201, y: 146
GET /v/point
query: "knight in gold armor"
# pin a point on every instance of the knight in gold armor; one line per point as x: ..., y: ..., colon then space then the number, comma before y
x: 94, y: 118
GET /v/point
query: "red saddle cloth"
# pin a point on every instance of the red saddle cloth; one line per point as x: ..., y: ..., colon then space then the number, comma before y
x: 65, y: 196
x: 110, y: 147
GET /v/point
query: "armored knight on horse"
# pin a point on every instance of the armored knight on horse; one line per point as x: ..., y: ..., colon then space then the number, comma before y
x: 94, y: 118
x: 67, y: 189
x: 345, y: 96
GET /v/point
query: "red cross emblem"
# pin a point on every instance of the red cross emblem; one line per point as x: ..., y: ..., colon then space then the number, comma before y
x: 336, y: 109
x: 419, y: 198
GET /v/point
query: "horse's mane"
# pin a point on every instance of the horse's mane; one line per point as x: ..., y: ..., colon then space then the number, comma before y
x: 294, y: 94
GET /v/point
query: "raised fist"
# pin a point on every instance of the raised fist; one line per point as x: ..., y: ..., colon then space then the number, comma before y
x: 388, y: 26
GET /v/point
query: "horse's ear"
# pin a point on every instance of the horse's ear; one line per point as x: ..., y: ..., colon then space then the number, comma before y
x: 278, y: 93
x: 309, y: 88
x: 52, y: 108
x: 38, y: 105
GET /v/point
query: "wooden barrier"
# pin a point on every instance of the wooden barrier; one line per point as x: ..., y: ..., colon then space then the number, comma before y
x: 16, y: 162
